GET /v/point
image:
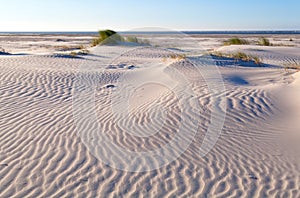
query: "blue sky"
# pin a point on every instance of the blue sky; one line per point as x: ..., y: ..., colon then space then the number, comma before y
x: 91, y: 15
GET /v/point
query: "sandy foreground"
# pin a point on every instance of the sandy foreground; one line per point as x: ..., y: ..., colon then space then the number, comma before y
x: 103, y: 124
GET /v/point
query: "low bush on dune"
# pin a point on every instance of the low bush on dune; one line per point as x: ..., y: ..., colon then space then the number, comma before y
x: 264, y: 41
x: 107, y: 37
x: 236, y: 41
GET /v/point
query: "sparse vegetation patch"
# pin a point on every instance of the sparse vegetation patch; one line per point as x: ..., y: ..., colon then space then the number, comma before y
x: 236, y: 41
x: 264, y: 41
x: 239, y: 56
x: 3, y: 51
x: 111, y: 37
x: 107, y: 37
x: 293, y: 64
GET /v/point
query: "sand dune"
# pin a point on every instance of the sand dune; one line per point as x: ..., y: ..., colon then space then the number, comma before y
x: 44, y: 154
x: 279, y: 56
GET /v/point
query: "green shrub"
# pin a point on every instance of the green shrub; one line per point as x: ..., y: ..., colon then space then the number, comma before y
x: 107, y: 37
x: 264, y: 41
x: 236, y: 41
x: 111, y: 37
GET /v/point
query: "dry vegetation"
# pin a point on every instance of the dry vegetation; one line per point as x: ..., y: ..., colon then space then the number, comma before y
x: 236, y: 41
x: 293, y: 64
x: 174, y: 56
x: 239, y: 56
x: 264, y: 42
x: 69, y: 48
x: 3, y: 51
x: 178, y: 56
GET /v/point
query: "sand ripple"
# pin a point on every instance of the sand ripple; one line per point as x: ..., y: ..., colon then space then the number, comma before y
x: 41, y: 154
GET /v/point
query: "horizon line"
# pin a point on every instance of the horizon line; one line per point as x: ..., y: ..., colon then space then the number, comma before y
x: 183, y: 30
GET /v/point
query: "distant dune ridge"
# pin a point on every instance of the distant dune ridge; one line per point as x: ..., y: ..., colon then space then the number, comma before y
x: 42, y: 153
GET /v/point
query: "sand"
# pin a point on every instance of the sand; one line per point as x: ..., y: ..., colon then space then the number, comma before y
x: 56, y: 133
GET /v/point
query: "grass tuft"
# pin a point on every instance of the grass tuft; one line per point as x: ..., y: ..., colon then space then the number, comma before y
x: 73, y: 54
x: 178, y: 56
x: 239, y: 56
x: 236, y: 41
x: 107, y: 37
x: 264, y: 41
x: 111, y: 37
x: 293, y: 64
x: 131, y: 39
x: 3, y: 51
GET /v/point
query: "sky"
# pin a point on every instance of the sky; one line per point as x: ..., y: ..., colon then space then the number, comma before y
x: 127, y: 15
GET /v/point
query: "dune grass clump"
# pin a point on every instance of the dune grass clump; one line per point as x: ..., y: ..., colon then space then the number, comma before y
x: 256, y: 60
x: 107, y: 37
x: 73, y: 54
x: 131, y: 39
x: 236, y: 41
x: 217, y: 54
x: 264, y: 42
x: 3, y: 51
x: 69, y: 48
x: 239, y: 56
x: 178, y: 56
x: 245, y: 57
x: 79, y: 53
x: 293, y: 64
x: 174, y: 56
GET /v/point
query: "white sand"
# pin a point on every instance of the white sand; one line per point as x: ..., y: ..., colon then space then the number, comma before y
x: 42, y: 154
